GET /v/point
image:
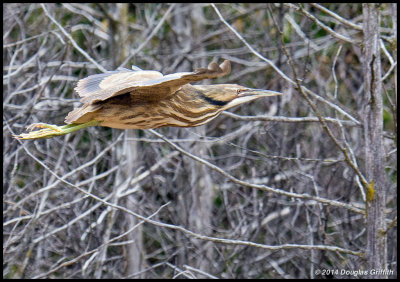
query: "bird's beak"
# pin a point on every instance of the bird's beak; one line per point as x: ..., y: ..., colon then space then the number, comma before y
x: 258, y: 93
x: 249, y: 95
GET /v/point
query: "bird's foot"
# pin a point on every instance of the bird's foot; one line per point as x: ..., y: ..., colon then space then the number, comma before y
x: 43, y: 125
x: 49, y: 130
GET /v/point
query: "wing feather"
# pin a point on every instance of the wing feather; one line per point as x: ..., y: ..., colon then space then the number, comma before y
x: 150, y: 85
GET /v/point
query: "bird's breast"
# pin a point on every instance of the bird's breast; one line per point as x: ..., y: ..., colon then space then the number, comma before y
x: 177, y: 111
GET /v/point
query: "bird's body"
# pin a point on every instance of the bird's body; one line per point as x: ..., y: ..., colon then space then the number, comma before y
x: 126, y: 99
x: 187, y: 108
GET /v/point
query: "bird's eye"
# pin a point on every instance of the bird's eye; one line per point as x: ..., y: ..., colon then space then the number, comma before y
x: 238, y: 91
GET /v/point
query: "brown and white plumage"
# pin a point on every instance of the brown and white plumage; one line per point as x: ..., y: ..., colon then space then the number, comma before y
x: 138, y: 99
x: 142, y: 86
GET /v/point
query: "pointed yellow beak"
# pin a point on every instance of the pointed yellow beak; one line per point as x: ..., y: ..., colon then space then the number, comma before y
x: 249, y: 95
x: 258, y: 93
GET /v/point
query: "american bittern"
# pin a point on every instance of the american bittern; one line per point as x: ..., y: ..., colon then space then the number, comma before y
x: 137, y: 99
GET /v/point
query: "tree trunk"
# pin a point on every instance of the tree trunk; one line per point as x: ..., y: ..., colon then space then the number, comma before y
x: 133, y: 258
x: 373, y: 129
x: 188, y: 26
x: 134, y: 251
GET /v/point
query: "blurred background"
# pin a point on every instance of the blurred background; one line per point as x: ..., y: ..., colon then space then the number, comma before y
x: 108, y: 203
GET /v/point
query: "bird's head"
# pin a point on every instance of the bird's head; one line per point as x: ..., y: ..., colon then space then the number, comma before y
x: 226, y: 96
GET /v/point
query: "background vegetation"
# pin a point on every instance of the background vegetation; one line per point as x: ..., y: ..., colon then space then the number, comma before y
x: 283, y: 187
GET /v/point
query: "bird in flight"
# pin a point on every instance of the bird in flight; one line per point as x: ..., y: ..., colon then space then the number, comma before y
x: 144, y: 99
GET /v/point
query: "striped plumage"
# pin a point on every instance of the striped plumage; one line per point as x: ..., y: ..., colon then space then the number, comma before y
x: 137, y: 99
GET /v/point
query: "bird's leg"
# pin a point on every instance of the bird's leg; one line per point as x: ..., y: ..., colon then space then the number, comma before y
x: 51, y: 130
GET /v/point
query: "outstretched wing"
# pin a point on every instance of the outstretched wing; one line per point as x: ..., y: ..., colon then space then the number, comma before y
x: 112, y: 83
x: 149, y: 85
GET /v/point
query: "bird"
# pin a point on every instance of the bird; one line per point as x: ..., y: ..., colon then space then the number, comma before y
x: 146, y: 99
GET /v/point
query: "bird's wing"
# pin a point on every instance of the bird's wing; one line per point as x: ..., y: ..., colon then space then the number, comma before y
x: 148, y: 85
x: 112, y: 83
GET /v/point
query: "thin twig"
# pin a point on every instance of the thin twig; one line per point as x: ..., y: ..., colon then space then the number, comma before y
x: 256, y: 186
x: 72, y: 40
x: 288, y: 79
